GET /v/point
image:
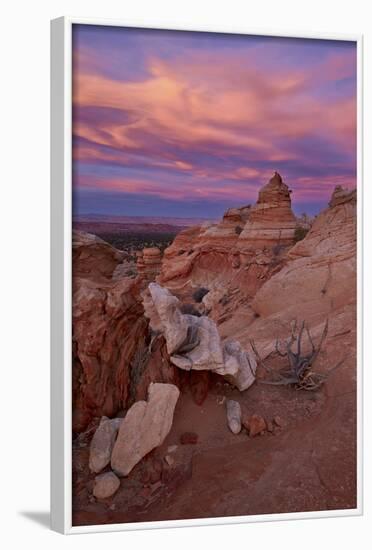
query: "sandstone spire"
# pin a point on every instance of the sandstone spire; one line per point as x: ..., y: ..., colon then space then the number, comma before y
x: 271, y: 220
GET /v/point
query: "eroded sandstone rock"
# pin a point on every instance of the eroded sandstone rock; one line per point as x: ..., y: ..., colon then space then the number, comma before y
x: 148, y: 263
x: 112, y: 362
x: 243, y: 249
x: 92, y: 257
x: 108, y: 326
x: 271, y: 220
x: 194, y: 343
x: 318, y: 282
x: 144, y: 427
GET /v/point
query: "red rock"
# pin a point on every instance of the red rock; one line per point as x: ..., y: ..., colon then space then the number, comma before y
x: 148, y: 264
x: 92, y: 257
x: 189, y: 438
x: 217, y: 253
x: 255, y: 425
x: 271, y: 220
x: 109, y: 332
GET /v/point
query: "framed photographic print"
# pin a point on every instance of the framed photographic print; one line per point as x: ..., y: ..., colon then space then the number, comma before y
x: 206, y: 276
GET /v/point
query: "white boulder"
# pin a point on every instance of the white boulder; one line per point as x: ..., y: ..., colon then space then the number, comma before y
x: 234, y: 416
x: 194, y: 343
x: 102, y: 443
x: 144, y: 427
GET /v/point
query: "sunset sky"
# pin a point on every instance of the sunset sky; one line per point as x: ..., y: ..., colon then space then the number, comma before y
x: 184, y: 124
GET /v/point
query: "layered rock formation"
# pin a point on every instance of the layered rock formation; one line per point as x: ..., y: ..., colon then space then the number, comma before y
x: 320, y: 276
x: 194, y: 343
x: 271, y: 221
x: 259, y: 283
x: 112, y: 363
x: 258, y: 287
x: 108, y: 327
x: 148, y: 264
x: 317, y: 282
x: 243, y: 250
x: 92, y: 257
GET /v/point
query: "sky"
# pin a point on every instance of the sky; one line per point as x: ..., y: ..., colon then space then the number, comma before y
x: 186, y: 124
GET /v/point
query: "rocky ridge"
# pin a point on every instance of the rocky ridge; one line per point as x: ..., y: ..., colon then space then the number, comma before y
x: 243, y: 250
x: 129, y: 333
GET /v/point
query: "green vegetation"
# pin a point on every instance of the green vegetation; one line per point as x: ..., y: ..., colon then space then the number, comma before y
x: 300, y: 233
x: 199, y: 294
x: 137, y: 241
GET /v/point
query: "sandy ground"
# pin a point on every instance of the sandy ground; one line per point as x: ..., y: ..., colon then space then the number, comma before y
x: 306, y: 464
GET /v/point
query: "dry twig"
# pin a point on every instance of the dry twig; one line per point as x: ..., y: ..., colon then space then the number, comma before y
x: 300, y: 373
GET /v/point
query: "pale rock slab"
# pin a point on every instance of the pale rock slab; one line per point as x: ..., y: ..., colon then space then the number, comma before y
x: 102, y: 443
x: 144, y: 427
x: 234, y: 416
x: 194, y: 343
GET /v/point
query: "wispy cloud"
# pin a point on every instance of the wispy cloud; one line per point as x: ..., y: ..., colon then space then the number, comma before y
x: 213, y: 119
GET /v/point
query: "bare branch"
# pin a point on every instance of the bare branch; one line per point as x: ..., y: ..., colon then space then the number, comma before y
x: 310, y: 340
x: 299, y: 338
x: 278, y: 350
x: 315, y: 354
x: 299, y: 374
x: 259, y: 359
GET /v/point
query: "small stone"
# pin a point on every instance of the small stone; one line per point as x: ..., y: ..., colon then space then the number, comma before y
x: 169, y: 460
x: 105, y: 485
x: 172, y: 448
x: 234, y: 416
x: 112, y: 507
x: 189, y: 438
x: 278, y: 421
x: 269, y: 426
x: 256, y: 424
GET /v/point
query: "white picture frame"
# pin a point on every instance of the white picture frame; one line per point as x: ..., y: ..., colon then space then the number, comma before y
x: 61, y: 283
